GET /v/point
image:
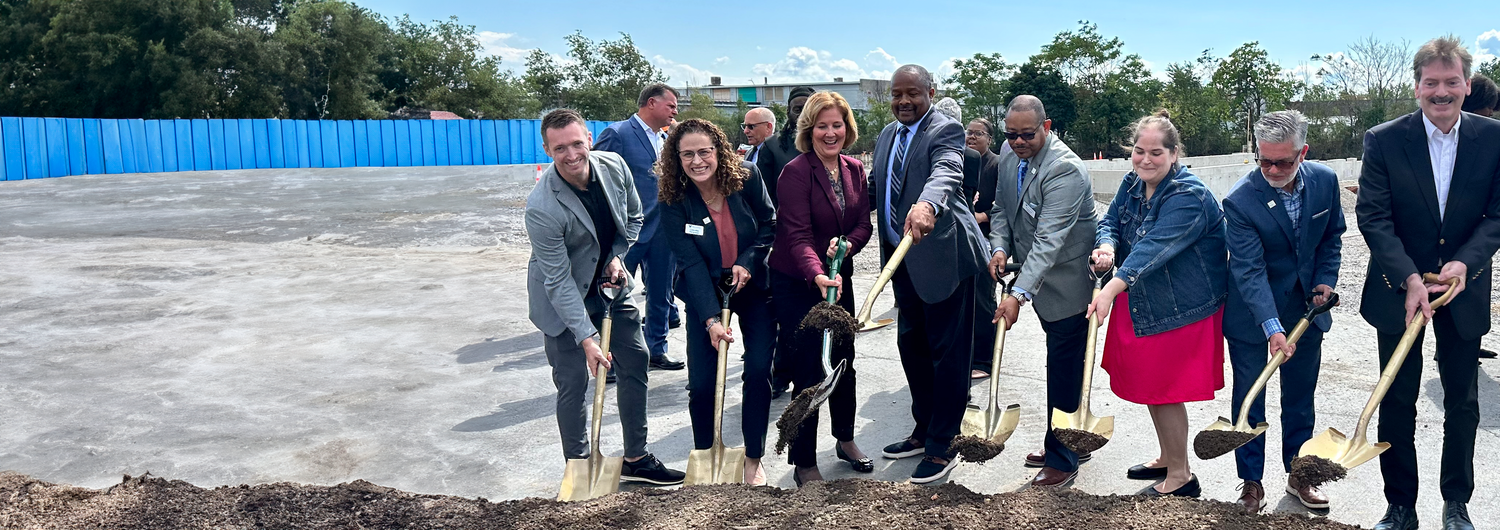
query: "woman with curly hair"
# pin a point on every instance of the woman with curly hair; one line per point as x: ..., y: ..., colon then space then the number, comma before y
x: 719, y: 222
x: 822, y: 197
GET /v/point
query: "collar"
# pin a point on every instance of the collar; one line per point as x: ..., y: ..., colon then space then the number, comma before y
x: 1432, y: 130
x: 915, y: 126
x: 642, y: 123
x: 1300, y: 184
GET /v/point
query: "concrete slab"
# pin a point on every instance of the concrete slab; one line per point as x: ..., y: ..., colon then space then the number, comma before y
x: 321, y: 326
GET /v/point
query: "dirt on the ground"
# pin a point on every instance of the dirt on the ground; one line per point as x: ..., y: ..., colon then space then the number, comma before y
x: 1213, y: 444
x: 149, y: 502
x: 1316, y: 471
x: 1079, y: 441
x: 975, y: 449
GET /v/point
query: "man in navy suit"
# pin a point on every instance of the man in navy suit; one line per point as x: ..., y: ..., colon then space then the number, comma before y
x: 638, y: 140
x: 1284, y: 230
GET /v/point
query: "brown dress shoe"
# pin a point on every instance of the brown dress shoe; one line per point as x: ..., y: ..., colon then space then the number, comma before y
x: 1039, y: 458
x: 1310, y: 496
x: 1252, y: 497
x: 1051, y: 477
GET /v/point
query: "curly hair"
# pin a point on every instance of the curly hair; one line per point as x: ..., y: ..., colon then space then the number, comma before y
x: 729, y: 177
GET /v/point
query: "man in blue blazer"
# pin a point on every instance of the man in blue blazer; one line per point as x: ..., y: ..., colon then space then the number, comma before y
x: 638, y: 140
x: 1284, y: 230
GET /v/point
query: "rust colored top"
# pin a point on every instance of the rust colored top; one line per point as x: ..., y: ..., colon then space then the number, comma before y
x: 729, y: 239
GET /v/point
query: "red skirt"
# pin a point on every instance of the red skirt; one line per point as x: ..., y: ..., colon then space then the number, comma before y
x: 1177, y: 366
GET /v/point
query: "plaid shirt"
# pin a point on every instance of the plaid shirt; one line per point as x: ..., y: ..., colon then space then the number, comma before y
x: 1292, y: 201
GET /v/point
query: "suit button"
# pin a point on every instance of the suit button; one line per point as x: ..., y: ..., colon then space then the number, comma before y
x: 1442, y: 242
x: 595, y: 260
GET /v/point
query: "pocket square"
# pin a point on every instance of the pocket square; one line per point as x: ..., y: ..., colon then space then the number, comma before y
x: 1320, y: 214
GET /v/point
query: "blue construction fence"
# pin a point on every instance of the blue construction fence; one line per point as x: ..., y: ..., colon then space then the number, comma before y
x: 59, y: 147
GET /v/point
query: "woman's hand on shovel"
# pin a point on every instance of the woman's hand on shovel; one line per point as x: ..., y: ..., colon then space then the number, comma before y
x: 1106, y: 300
x: 824, y: 282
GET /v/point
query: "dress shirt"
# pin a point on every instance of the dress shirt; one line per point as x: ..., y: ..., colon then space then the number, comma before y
x: 1443, y: 150
x: 1292, y: 201
x: 906, y: 158
x: 754, y: 153
x: 653, y: 134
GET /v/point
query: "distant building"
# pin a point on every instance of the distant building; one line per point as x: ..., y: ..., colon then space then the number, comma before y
x: 728, y: 96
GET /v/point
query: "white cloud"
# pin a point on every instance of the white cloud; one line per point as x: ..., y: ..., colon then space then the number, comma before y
x: 721, y: 60
x: 1487, y: 46
x: 944, y: 70
x: 806, y: 64
x: 679, y: 74
x: 880, y: 63
x: 499, y: 45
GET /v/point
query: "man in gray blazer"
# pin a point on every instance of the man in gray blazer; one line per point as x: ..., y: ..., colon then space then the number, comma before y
x: 918, y: 174
x: 1044, y: 218
x: 581, y: 218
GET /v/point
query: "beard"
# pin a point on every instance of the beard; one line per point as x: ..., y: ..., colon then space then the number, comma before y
x: 1279, y: 183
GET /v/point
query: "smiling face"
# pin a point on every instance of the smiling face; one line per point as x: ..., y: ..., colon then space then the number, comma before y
x: 909, y: 99
x: 1441, y: 91
x: 1149, y: 158
x: 699, y: 158
x: 828, y: 133
x: 569, y: 148
x: 977, y: 137
x: 1023, y: 123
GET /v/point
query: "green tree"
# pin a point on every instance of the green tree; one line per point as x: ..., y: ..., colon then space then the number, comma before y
x: 1081, y: 55
x: 438, y: 67
x: 1253, y: 85
x: 1048, y: 85
x: 607, y: 76
x: 1490, y: 69
x: 870, y: 122
x: 981, y: 84
x: 1199, y: 112
x: 1110, y: 88
x: 333, y: 49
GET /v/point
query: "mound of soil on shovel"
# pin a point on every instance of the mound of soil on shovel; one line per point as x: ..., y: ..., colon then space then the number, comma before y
x: 796, y: 412
x: 1079, y: 441
x: 150, y: 502
x: 1213, y: 444
x: 975, y: 449
x: 1316, y: 470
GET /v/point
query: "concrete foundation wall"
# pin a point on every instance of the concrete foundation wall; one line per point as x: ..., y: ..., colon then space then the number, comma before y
x: 1219, y: 177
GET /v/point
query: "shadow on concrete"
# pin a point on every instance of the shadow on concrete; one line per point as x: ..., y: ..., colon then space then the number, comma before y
x: 513, y: 413
x: 490, y: 349
x: 1489, y: 397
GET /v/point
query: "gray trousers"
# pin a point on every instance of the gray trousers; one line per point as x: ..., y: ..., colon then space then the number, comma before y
x: 570, y: 373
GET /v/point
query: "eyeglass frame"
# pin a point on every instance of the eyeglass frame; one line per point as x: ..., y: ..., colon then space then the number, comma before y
x: 1028, y: 136
x: 1284, y: 165
x: 749, y: 126
x: 689, y: 156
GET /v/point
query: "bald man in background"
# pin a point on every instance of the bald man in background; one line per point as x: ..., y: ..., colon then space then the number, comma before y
x: 759, y: 125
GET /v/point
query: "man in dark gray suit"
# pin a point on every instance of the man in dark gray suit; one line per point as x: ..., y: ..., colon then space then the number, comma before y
x: 1044, y: 218
x: 581, y: 217
x: 918, y: 173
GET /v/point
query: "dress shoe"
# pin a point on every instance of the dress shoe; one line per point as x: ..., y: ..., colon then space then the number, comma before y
x: 1039, y: 458
x: 862, y: 465
x: 609, y: 378
x: 1190, y: 489
x: 1141, y: 472
x: 1252, y: 497
x: 802, y: 475
x: 662, y: 362
x: 1486, y: 354
x: 1310, y: 496
x: 1397, y: 518
x: 674, y: 323
x: 1456, y: 516
x: 1051, y: 477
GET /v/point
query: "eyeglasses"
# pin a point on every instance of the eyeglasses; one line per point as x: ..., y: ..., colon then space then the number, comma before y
x: 1284, y: 165
x: 688, y: 156
x: 748, y: 126
x: 1028, y: 136
x: 977, y: 134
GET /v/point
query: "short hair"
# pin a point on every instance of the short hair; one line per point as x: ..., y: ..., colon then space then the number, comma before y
x: 923, y: 76
x: 950, y: 107
x: 1161, y: 120
x: 1027, y: 103
x: 763, y: 110
x: 989, y: 128
x: 1281, y: 127
x: 1483, y: 94
x: 654, y: 90
x: 558, y: 119
x: 809, y: 118
x: 1446, y: 49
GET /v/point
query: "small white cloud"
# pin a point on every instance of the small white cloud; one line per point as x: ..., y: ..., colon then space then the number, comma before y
x: 944, y: 70
x: 498, y: 45
x: 681, y: 73
x: 806, y: 64
x: 880, y: 63
x: 722, y: 60
x: 1487, y: 46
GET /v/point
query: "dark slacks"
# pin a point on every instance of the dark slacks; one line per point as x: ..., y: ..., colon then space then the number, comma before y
x: 793, y: 298
x: 935, y: 341
x: 1299, y: 381
x: 752, y: 309
x: 984, y: 330
x: 570, y: 374
x: 1067, y: 341
x: 1458, y: 369
x: 658, y: 268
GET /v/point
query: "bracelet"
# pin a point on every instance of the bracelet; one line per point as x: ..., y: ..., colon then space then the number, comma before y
x: 712, y: 321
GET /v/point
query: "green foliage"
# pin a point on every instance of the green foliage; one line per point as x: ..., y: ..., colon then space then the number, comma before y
x: 1110, y: 89
x: 982, y: 84
x: 870, y: 122
x: 439, y: 67
x: 1490, y: 69
x: 1048, y: 85
x: 1253, y: 85
x: 1201, y: 114
x: 602, y: 82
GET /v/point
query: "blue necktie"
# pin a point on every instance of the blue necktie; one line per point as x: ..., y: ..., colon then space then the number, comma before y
x: 1020, y: 179
x: 898, y: 178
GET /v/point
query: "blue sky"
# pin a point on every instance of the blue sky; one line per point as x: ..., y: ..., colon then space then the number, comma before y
x: 800, y: 41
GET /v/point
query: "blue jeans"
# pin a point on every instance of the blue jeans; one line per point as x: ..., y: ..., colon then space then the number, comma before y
x: 1299, y: 378
x: 658, y: 267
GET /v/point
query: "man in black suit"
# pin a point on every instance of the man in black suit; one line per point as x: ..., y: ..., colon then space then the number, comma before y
x: 918, y: 173
x: 1429, y: 202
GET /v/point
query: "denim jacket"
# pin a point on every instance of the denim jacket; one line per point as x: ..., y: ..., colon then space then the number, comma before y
x: 1170, y: 251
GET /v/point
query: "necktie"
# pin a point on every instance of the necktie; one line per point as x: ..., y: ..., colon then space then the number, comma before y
x: 898, y: 178
x: 1020, y: 179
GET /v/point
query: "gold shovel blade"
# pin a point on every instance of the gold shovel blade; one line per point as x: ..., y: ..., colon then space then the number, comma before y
x: 1084, y: 421
x: 1223, y: 424
x: 1333, y: 445
x: 588, y: 478
x: 996, y: 427
x: 872, y: 325
x: 715, y: 465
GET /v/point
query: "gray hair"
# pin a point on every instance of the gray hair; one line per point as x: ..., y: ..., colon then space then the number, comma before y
x: 1027, y: 103
x: 950, y: 107
x: 1281, y: 127
x: 923, y: 76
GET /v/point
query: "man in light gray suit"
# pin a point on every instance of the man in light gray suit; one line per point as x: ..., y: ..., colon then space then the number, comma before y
x: 581, y: 218
x: 1044, y: 218
x: 918, y: 174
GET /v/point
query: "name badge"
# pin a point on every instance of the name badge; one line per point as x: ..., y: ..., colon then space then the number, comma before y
x: 1030, y: 210
x: 695, y: 230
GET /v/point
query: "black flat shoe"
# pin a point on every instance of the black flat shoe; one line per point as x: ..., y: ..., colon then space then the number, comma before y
x: 1141, y: 472
x: 863, y: 465
x: 1190, y: 489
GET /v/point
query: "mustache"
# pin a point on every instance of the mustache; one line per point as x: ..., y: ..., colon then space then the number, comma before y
x: 1440, y: 100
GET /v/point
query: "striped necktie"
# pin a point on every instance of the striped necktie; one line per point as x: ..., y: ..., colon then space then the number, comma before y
x: 898, y: 178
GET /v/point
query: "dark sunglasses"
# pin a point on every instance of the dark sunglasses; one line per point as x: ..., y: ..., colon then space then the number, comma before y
x: 1028, y: 136
x: 748, y: 126
x: 1284, y: 165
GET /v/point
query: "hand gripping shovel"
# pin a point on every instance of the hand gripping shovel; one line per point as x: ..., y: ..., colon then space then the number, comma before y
x: 992, y: 423
x: 1332, y: 446
x: 825, y: 389
x: 1221, y: 437
x: 1081, y: 431
x: 595, y: 476
x: 718, y: 464
x: 885, y: 277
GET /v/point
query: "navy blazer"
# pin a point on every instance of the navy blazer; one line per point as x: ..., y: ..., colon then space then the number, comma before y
x: 1266, y: 260
x: 629, y: 140
x: 698, y: 256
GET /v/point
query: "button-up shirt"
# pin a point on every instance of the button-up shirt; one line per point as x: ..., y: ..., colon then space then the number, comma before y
x: 1292, y: 201
x: 1443, y: 150
x: 650, y: 133
x: 890, y: 164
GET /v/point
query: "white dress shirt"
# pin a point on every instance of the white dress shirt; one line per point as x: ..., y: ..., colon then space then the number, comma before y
x: 655, y: 137
x: 1443, y: 150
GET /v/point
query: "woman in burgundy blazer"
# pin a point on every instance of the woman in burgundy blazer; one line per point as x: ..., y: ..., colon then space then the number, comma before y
x: 822, y: 196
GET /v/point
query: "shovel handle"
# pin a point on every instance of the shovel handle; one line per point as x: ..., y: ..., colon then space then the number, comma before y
x: 1398, y: 356
x: 1000, y: 340
x: 833, y: 267
x: 600, y: 372
x: 885, y: 276
x: 719, y: 384
x: 1243, y: 421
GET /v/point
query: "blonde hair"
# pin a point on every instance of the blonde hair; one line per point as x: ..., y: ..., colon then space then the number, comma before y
x: 816, y: 105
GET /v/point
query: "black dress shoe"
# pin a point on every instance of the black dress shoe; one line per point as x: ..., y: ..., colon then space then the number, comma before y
x: 1486, y: 354
x: 1190, y: 489
x: 1456, y: 516
x: 862, y: 465
x: 674, y: 323
x: 662, y: 362
x: 1141, y: 472
x: 1398, y: 518
x: 609, y: 378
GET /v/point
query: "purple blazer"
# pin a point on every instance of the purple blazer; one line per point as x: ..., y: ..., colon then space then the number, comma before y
x: 808, y: 215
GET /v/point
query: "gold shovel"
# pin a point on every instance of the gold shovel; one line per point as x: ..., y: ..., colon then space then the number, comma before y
x: 718, y: 464
x: 1332, y: 445
x: 595, y: 476
x: 992, y: 423
x: 1204, y: 444
x: 885, y: 277
x: 1081, y: 427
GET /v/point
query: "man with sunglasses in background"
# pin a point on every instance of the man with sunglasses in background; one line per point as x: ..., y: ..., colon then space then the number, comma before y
x: 1043, y: 216
x: 759, y: 125
x: 1285, y: 230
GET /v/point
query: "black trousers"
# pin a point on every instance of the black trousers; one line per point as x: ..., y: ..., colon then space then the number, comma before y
x: 793, y: 298
x: 752, y: 308
x: 985, y: 304
x: 1458, y: 369
x: 1067, y: 340
x: 935, y: 341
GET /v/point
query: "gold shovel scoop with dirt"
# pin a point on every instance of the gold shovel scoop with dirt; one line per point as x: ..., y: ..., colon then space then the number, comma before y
x: 1328, y: 456
x: 718, y: 464
x: 885, y: 277
x: 1221, y: 437
x: 595, y: 476
x: 1081, y: 431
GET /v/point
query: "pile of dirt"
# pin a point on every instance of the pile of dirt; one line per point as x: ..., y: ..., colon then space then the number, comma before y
x: 1316, y: 470
x: 1079, y: 441
x: 1213, y: 444
x: 150, y: 502
x: 975, y: 449
x: 809, y: 338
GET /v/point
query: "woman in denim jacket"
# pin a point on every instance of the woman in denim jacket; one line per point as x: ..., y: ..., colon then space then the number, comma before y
x: 1166, y: 346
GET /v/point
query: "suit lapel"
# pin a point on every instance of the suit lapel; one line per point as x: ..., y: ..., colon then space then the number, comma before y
x: 882, y: 177
x: 1463, y: 161
x: 1310, y: 206
x: 1276, y: 208
x: 1418, y: 157
x: 912, y: 149
x: 569, y: 200
x: 710, y: 239
x: 820, y: 175
x: 641, y: 134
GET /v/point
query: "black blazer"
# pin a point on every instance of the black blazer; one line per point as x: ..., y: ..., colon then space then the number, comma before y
x: 988, y: 176
x: 698, y: 258
x: 775, y: 153
x: 1398, y: 216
